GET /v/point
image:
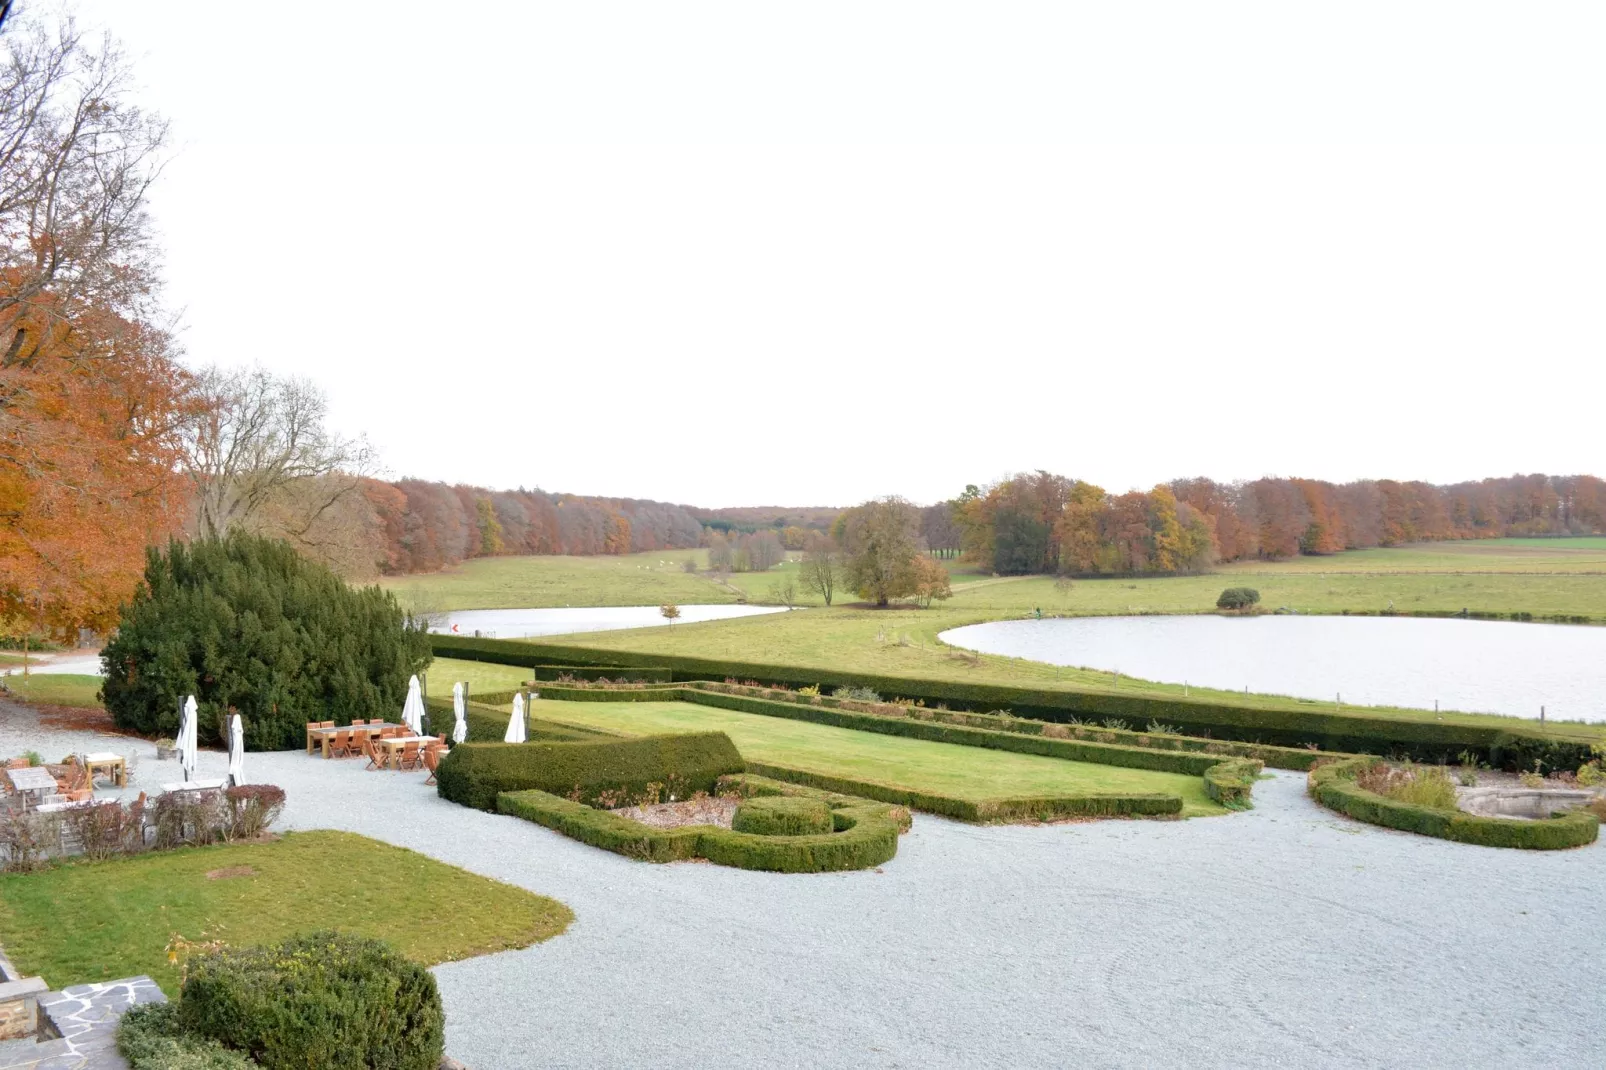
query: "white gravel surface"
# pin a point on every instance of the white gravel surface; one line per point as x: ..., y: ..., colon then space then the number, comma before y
x: 1287, y: 936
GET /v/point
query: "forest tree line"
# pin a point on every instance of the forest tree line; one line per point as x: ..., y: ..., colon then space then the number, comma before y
x: 1044, y: 523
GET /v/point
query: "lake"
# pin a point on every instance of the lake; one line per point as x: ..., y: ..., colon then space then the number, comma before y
x: 524, y: 623
x: 1474, y: 666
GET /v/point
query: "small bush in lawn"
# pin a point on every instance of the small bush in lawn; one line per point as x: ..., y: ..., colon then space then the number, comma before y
x: 150, y: 1038
x: 326, y: 1000
x: 1238, y: 598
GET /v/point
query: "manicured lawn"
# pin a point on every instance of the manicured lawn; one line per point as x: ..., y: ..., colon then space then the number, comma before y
x: 943, y: 768
x: 483, y: 678
x: 97, y: 921
x: 58, y: 689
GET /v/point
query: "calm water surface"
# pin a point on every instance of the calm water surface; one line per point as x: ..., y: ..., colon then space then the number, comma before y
x: 523, y: 623
x: 1476, y: 666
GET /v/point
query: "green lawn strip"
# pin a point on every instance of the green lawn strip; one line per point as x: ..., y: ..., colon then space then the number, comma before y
x: 87, y: 922
x: 482, y: 677
x: 56, y: 689
x: 970, y: 773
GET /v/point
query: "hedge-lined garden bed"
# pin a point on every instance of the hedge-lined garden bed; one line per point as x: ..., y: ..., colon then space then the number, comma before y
x: 1230, y: 788
x: 863, y: 834
x: 1292, y: 726
x: 1334, y: 786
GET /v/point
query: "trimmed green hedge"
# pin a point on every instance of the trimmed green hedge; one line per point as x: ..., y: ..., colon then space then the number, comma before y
x: 150, y: 1037
x: 782, y: 815
x: 1231, y: 783
x: 1334, y: 787
x: 1294, y: 725
x: 474, y: 774
x: 864, y: 834
x: 983, y: 811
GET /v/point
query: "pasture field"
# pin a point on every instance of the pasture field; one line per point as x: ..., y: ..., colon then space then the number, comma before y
x: 92, y: 921
x: 942, y: 768
x: 647, y: 579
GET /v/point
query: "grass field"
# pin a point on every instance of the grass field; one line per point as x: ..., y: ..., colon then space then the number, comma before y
x: 95, y: 921
x: 943, y: 768
x: 630, y: 580
x: 56, y: 689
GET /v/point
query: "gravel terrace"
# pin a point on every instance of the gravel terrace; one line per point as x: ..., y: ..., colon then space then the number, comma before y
x: 1286, y: 936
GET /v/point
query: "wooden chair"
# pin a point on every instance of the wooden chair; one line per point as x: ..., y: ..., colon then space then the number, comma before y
x: 315, y: 724
x: 341, y: 745
x: 410, y: 757
x: 432, y: 762
x: 376, y: 720
x: 371, y: 752
x: 77, y: 786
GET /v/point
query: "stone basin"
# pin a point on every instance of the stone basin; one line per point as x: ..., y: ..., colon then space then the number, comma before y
x: 1528, y: 804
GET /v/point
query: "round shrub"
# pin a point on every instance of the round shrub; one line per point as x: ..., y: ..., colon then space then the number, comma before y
x: 325, y: 999
x: 150, y: 1037
x: 246, y: 624
x: 782, y: 816
x: 1238, y: 598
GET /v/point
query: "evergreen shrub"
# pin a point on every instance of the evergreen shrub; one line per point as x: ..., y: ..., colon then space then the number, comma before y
x: 325, y: 999
x: 1238, y: 598
x: 248, y: 625
x: 780, y: 815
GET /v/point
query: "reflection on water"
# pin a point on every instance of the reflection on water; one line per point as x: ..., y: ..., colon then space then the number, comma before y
x: 1477, y: 666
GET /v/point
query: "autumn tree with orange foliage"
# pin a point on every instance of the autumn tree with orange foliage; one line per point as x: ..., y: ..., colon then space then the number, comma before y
x: 92, y: 403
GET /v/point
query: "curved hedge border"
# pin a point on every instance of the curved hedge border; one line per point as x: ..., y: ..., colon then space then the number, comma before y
x: 1334, y: 787
x: 1230, y: 783
x: 1295, y: 725
x: 984, y: 811
x: 865, y: 834
x: 474, y: 774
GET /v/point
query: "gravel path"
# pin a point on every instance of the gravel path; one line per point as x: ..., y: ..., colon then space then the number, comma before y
x: 1286, y: 936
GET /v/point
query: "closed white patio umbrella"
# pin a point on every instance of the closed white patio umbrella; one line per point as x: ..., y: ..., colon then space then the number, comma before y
x: 186, y: 741
x: 515, y: 724
x: 459, y: 707
x: 236, y: 751
x: 413, y: 708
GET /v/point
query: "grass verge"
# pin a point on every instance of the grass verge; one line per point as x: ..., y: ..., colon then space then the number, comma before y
x: 97, y: 921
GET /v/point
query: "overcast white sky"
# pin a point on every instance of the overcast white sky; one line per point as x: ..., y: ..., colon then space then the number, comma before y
x: 751, y: 253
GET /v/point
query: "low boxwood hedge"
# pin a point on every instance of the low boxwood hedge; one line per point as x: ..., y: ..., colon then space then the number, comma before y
x: 864, y: 834
x: 1334, y: 786
x: 150, y: 1037
x: 1294, y: 725
x: 324, y: 999
x: 983, y: 811
x: 782, y: 815
x: 1230, y: 783
x: 474, y: 774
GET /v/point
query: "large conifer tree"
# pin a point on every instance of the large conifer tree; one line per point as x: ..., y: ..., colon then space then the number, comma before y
x: 248, y: 625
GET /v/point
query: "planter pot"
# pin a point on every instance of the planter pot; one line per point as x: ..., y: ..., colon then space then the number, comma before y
x: 164, y: 753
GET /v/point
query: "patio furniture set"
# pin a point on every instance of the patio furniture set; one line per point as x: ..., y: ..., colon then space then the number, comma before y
x: 384, y: 745
x: 51, y: 788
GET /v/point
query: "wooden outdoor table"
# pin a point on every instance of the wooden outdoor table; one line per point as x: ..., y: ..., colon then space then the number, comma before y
x: 113, y: 765
x: 392, y: 746
x: 323, y: 735
x: 32, y: 778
